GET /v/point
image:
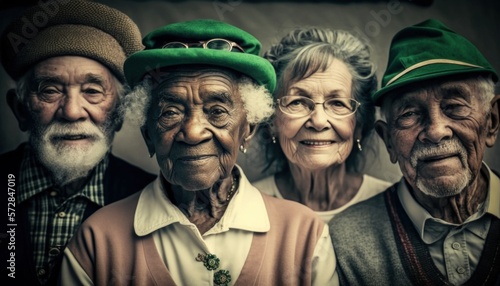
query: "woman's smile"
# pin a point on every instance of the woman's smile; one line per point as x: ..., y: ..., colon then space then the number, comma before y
x: 317, y: 143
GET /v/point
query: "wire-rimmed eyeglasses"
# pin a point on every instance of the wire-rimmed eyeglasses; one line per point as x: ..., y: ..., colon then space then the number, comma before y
x: 300, y: 106
x: 213, y: 44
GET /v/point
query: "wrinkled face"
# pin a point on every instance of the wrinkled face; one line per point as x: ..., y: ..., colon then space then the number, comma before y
x: 438, y: 136
x: 318, y: 141
x: 72, y: 116
x: 195, y: 125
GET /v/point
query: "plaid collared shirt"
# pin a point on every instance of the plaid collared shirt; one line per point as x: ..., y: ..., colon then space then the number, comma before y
x: 53, y: 218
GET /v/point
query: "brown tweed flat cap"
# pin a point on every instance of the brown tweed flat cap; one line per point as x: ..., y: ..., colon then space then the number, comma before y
x: 71, y: 27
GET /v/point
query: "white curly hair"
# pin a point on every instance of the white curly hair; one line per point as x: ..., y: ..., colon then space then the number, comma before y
x: 257, y: 100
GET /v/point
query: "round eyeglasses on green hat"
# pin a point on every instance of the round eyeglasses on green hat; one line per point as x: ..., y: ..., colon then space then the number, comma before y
x: 200, y: 42
x: 430, y: 50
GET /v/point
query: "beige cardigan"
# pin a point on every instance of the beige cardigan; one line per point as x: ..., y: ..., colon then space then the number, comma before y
x: 111, y: 253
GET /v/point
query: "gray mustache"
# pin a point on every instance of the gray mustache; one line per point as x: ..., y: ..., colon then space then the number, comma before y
x: 448, y: 147
x: 86, y: 129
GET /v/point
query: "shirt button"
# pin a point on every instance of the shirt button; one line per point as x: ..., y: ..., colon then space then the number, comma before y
x: 53, y: 193
x: 61, y: 214
x: 460, y: 270
x: 54, y: 251
x: 41, y: 272
x: 455, y: 245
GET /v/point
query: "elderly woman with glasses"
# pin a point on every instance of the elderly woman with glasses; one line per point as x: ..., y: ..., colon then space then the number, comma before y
x: 201, y: 222
x: 323, y: 121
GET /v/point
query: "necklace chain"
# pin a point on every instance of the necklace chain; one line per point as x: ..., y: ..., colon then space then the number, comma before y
x: 232, y: 190
x: 210, y: 261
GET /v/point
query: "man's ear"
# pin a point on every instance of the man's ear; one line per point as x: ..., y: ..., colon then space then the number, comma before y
x: 493, y: 121
x: 119, y: 123
x: 120, y: 112
x: 148, y: 140
x: 19, y: 109
x: 382, y: 130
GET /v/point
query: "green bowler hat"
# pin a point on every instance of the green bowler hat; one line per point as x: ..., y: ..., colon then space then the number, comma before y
x: 200, y: 42
x: 430, y: 50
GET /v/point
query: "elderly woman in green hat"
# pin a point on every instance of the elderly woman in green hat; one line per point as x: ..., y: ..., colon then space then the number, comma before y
x: 201, y: 222
x: 440, y: 225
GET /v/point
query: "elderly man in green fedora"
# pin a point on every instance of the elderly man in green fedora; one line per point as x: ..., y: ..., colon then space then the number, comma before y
x: 440, y: 225
x: 66, y: 58
x: 201, y: 222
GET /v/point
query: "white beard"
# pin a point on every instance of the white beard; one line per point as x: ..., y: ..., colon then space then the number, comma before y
x: 66, y: 162
x: 444, y: 190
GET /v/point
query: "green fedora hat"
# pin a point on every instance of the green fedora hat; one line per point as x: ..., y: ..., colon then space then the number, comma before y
x: 158, y: 53
x: 426, y: 51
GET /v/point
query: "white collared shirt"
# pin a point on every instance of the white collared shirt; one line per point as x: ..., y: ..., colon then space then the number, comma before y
x: 179, y: 242
x: 455, y: 249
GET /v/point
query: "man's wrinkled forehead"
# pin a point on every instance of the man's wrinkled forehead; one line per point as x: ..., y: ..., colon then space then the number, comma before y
x: 445, y: 87
x: 71, y: 67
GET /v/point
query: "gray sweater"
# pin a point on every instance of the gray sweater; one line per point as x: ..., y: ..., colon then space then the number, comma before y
x: 367, y: 255
x: 376, y: 244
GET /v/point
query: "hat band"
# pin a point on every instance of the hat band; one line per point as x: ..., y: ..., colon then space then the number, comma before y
x: 429, y: 62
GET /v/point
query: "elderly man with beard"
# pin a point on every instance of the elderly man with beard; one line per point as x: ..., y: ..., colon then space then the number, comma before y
x: 440, y: 225
x: 70, y: 87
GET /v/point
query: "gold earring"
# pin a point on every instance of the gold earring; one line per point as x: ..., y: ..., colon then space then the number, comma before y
x: 359, y: 144
x: 243, y: 149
